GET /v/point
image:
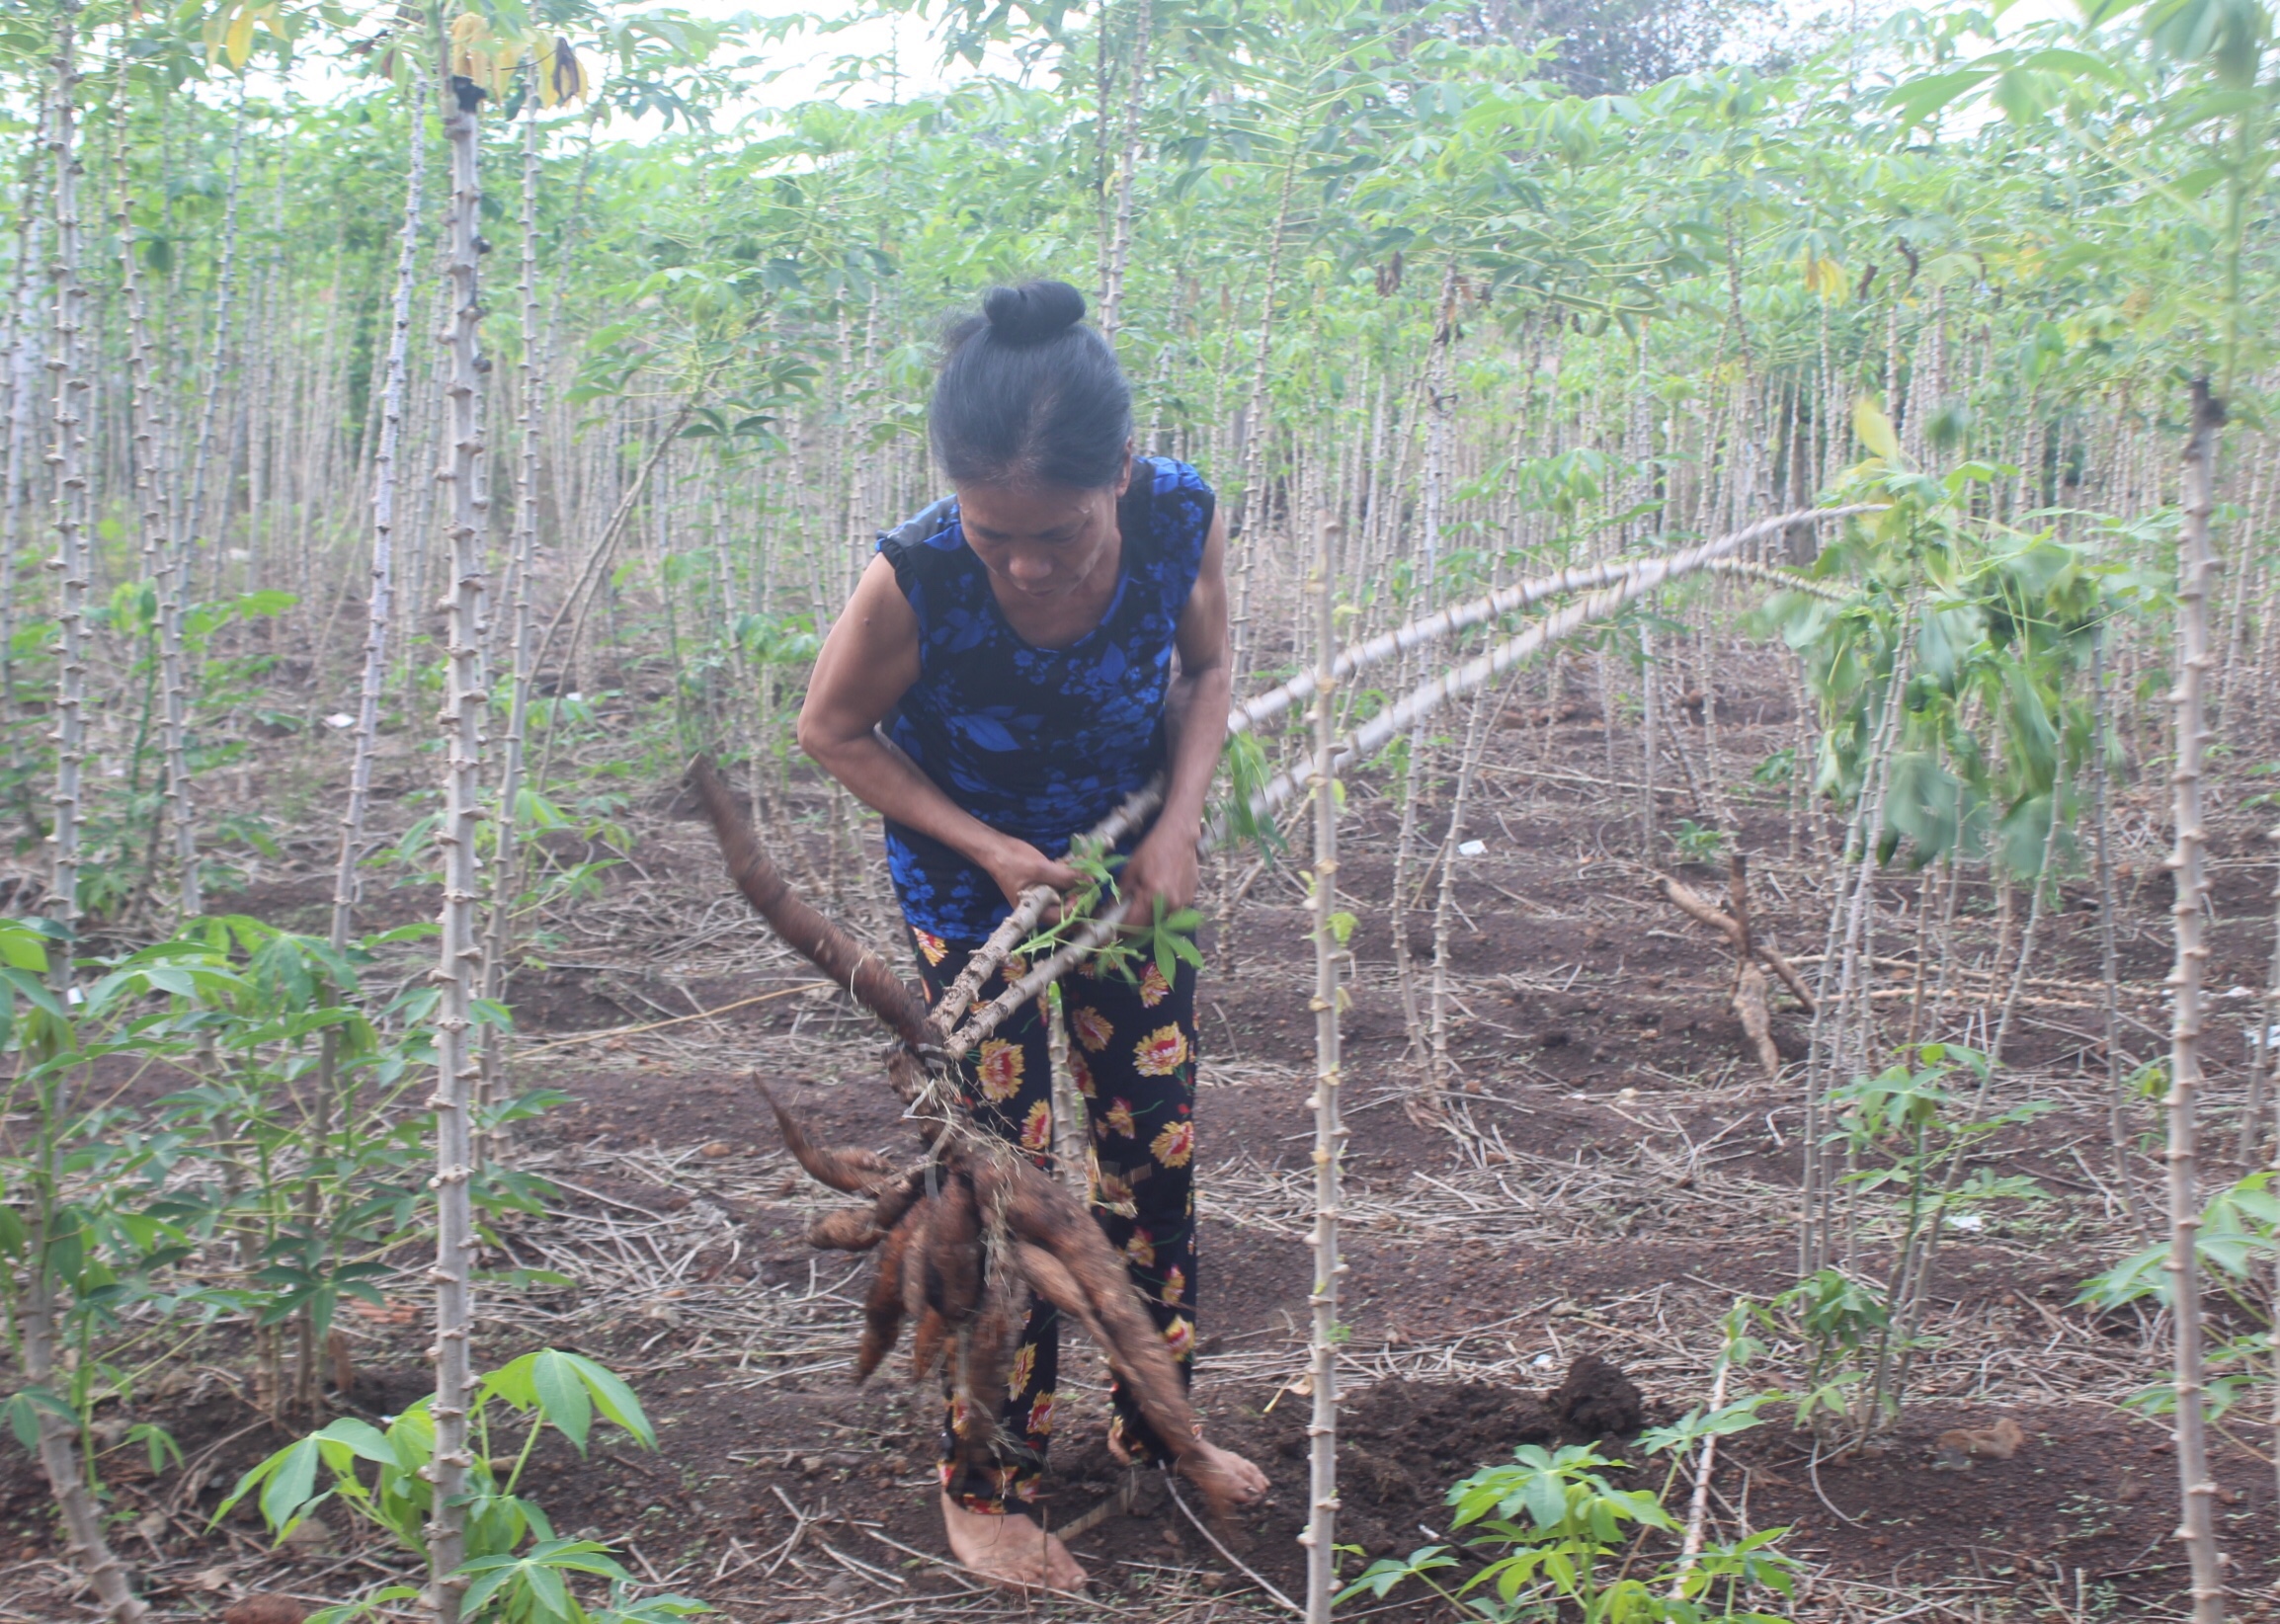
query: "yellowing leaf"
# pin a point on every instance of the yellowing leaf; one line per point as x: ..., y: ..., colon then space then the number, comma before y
x: 475, y: 53
x: 1826, y: 279
x: 1875, y: 429
x: 237, y: 40
x: 561, y: 76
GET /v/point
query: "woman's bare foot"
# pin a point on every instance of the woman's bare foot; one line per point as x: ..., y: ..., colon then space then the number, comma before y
x: 1225, y: 1476
x: 1009, y: 1549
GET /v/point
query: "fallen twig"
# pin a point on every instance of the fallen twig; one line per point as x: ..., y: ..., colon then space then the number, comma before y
x: 677, y: 1020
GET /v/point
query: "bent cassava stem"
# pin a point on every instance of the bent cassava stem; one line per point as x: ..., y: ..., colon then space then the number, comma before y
x: 1103, y: 835
x: 1696, y: 905
x: 1249, y: 713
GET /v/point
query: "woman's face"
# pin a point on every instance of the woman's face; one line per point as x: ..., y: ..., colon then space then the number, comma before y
x: 1043, y: 541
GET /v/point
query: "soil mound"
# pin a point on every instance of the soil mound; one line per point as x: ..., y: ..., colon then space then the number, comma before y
x: 1401, y: 1444
x: 1598, y: 1401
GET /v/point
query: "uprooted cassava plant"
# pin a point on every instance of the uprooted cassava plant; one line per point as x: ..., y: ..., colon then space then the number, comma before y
x: 963, y: 1232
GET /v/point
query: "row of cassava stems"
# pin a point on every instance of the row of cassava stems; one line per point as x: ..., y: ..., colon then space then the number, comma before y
x: 471, y: 957
x: 460, y: 973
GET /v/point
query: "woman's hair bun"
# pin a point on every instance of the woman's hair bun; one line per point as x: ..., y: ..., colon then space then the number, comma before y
x: 1027, y: 396
x: 1033, y: 312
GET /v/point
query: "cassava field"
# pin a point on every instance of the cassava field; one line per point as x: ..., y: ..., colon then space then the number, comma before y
x: 1742, y: 987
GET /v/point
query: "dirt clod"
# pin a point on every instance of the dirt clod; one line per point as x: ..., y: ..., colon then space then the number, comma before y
x: 1597, y: 1399
x: 1959, y: 1446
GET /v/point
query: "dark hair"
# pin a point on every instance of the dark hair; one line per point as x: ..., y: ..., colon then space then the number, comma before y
x: 1026, y: 395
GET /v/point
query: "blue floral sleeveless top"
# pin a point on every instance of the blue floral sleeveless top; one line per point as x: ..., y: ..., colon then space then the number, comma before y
x: 1041, y: 744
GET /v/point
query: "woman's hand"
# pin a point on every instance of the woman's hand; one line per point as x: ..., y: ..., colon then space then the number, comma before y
x: 1163, y: 869
x: 1016, y: 865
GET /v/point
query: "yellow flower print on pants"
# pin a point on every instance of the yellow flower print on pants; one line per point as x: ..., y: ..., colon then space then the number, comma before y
x: 1132, y: 1055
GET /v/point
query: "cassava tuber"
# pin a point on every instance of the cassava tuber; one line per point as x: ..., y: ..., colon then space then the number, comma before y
x: 851, y: 1171
x: 847, y: 1229
x: 883, y: 1307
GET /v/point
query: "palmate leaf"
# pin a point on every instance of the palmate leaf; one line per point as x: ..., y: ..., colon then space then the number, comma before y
x: 1696, y: 1425
x: 24, y: 1408
x: 1381, y: 1575
x: 2228, y: 34
x: 287, y: 1481
x: 1247, y: 772
x: 538, y: 1572
x: 566, y: 1389
x: 562, y: 1397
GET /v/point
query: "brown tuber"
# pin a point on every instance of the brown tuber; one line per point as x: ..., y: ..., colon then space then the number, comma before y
x: 851, y: 1171
x: 849, y: 1229
x: 883, y: 1307
x: 990, y: 1207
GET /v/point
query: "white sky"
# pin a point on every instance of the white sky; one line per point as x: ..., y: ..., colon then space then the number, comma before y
x: 909, y: 61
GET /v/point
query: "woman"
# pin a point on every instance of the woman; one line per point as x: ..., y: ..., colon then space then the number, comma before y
x: 1038, y: 646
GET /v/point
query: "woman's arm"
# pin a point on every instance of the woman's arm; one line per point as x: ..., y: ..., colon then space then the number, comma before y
x: 868, y: 661
x: 1164, y: 868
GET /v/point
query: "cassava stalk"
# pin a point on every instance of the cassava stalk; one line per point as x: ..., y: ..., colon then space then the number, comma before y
x: 506, y: 864
x: 1716, y: 555
x: 1649, y: 717
x: 378, y: 611
x: 1444, y: 903
x: 380, y: 599
x: 2197, y: 1526
x: 194, y: 527
x: 1398, y: 907
x: 1640, y: 578
x: 66, y: 462
x: 58, y: 1437
x: 1250, y: 496
x: 1706, y: 1466
x: 21, y: 383
x: 1329, y: 1130
x: 459, y: 953
x: 1120, y: 244
x: 152, y: 475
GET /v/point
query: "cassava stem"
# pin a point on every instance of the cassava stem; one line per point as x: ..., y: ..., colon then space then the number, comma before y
x: 2197, y: 1485
x: 460, y: 950
x: 1250, y: 714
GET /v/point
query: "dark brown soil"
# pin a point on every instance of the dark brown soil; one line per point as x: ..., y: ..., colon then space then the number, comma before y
x: 1580, y: 1008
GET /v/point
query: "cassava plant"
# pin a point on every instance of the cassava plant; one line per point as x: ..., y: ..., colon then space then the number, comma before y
x: 1550, y: 1537
x: 1902, y: 1133
x: 514, y: 1569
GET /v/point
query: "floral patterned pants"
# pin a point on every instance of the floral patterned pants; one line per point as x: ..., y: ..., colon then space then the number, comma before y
x: 1132, y: 1051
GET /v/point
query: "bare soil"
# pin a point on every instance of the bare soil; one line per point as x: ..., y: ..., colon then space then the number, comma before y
x: 1618, y: 1176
